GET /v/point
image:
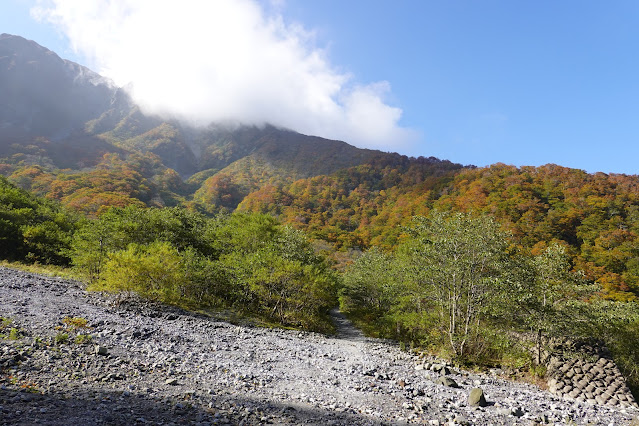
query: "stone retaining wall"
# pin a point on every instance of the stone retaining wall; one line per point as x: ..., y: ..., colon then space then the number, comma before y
x: 588, y: 375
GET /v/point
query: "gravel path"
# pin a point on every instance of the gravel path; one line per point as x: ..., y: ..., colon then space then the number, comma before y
x: 153, y: 365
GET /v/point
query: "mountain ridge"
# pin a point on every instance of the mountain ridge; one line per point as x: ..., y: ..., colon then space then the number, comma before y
x: 59, y: 115
x: 45, y: 96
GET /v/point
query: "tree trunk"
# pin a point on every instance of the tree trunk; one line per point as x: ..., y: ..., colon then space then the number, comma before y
x: 539, y: 347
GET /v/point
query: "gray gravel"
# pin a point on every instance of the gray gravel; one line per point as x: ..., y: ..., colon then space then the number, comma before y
x: 158, y: 365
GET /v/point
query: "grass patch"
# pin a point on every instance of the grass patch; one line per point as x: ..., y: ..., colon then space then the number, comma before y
x: 73, y: 329
x: 61, y: 338
x: 14, y: 334
x: 75, y: 323
x: 46, y: 270
x: 82, y: 339
x: 7, y: 331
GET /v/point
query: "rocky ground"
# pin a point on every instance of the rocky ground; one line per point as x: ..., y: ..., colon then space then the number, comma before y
x: 150, y: 365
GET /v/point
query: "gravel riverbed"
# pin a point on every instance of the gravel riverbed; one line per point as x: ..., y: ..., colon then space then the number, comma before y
x: 147, y: 364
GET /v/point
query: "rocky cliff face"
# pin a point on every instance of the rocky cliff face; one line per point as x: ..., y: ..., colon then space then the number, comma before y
x: 46, y: 103
x: 44, y: 95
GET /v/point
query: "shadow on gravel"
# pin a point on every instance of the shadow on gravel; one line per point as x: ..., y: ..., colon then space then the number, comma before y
x: 113, y: 408
x: 100, y: 408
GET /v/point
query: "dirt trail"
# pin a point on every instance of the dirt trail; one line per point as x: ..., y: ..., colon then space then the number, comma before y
x: 345, y: 328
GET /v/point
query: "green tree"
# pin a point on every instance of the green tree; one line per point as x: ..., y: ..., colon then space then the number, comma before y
x: 554, y: 303
x: 241, y: 232
x: 617, y: 324
x: 274, y: 272
x: 368, y: 289
x: 457, y: 266
x: 118, y: 227
x: 33, y: 229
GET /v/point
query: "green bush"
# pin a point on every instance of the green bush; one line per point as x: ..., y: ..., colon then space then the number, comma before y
x: 61, y: 338
x: 153, y: 271
x: 82, y: 339
x: 118, y: 227
x: 247, y: 262
x: 33, y: 229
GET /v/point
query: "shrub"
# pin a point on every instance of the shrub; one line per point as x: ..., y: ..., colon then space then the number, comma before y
x: 153, y: 271
x: 82, y: 339
x: 160, y: 272
x: 61, y: 338
x: 14, y: 334
x: 117, y: 228
x: 75, y: 323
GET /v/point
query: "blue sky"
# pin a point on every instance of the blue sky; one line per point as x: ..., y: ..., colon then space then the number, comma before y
x: 475, y: 82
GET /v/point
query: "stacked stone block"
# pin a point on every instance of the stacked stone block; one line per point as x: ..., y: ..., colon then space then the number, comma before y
x: 592, y: 379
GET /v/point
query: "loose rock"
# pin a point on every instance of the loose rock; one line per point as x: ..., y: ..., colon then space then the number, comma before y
x: 166, y: 366
x: 476, y: 398
x: 447, y: 381
x: 101, y: 350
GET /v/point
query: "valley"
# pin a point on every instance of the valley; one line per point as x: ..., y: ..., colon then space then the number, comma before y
x: 185, y: 226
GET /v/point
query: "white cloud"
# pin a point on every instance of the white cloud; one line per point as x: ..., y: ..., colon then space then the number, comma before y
x: 226, y: 60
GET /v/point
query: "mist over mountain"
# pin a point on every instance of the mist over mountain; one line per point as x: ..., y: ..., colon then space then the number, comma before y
x: 71, y: 116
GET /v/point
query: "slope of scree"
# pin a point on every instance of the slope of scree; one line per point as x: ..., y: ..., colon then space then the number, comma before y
x: 149, y: 364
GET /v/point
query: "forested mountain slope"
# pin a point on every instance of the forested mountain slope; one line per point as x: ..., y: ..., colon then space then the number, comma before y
x: 68, y: 134
x: 73, y: 125
x: 595, y: 216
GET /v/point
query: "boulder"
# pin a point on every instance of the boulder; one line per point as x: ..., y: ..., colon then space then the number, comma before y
x: 476, y: 398
x: 446, y: 381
